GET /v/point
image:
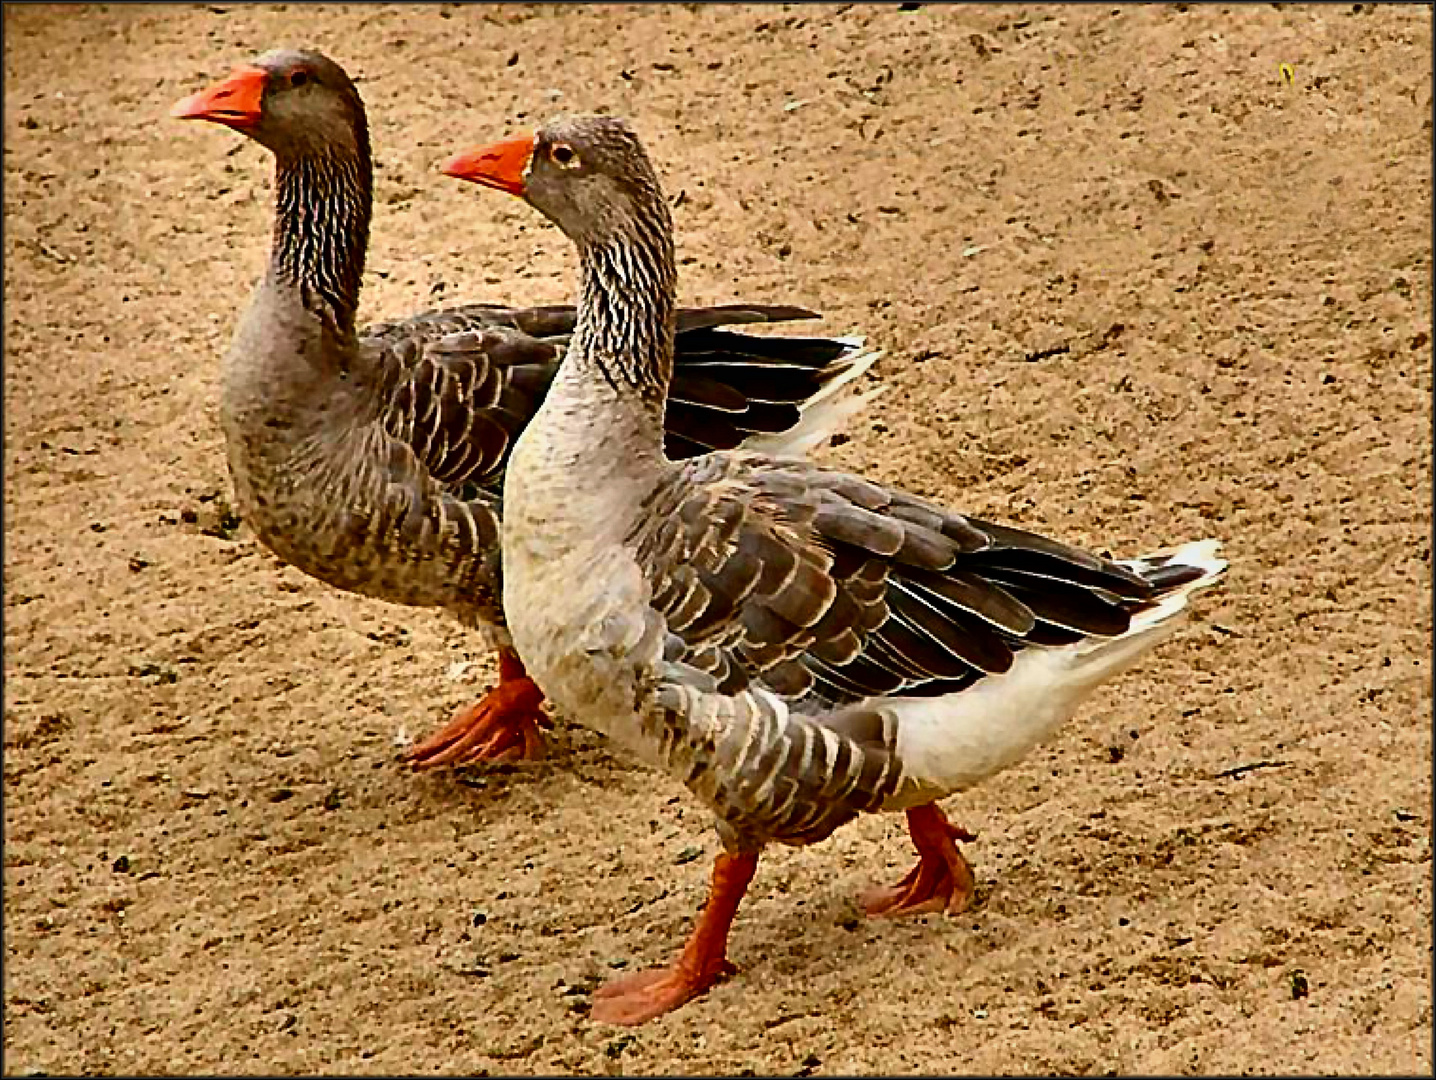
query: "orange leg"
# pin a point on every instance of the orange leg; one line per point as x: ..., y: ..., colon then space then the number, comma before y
x: 503, y: 726
x: 941, y: 881
x: 704, y: 961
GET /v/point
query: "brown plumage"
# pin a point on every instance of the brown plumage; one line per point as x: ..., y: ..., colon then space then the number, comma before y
x: 373, y: 458
x: 795, y: 644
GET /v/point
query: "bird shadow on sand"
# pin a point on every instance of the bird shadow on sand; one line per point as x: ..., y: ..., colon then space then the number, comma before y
x: 571, y: 754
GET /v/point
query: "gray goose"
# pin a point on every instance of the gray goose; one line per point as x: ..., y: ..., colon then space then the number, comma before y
x: 372, y: 459
x: 796, y: 645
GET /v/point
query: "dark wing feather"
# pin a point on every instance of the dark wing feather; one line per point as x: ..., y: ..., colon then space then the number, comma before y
x: 1064, y: 603
x: 455, y: 401
x: 827, y: 588
x: 460, y: 383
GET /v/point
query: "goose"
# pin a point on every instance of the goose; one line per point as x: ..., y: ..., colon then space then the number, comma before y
x: 372, y: 459
x: 794, y: 644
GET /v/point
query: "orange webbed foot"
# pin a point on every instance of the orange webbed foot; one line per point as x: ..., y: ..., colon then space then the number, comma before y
x: 503, y: 726
x: 637, y: 998
x: 634, y: 999
x: 941, y: 881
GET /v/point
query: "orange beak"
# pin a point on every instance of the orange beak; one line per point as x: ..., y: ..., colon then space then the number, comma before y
x: 236, y: 102
x: 501, y: 165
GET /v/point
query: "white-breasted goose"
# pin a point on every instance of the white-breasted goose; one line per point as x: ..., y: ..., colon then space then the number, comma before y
x: 797, y: 645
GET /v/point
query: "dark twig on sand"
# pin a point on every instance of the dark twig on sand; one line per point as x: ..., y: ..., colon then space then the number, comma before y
x: 1238, y: 770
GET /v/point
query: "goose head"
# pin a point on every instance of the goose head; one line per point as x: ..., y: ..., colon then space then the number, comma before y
x: 294, y: 102
x: 589, y: 175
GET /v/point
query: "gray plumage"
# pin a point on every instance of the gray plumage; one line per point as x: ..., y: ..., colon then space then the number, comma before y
x: 373, y: 458
x: 795, y: 644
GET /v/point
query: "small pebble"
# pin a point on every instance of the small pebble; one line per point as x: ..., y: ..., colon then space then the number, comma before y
x: 618, y: 1045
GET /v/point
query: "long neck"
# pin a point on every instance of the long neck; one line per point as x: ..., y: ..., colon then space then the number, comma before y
x: 295, y: 360
x: 623, y: 340
x: 321, y: 231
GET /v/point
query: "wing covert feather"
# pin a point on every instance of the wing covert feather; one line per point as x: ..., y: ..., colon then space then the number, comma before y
x: 821, y: 585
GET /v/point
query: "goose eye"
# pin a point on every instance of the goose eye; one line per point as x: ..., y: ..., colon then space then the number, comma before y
x: 299, y: 78
x: 563, y: 154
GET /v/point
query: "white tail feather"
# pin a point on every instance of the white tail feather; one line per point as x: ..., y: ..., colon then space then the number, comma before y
x: 1199, y: 555
x: 952, y: 742
x: 1097, y: 659
x: 827, y: 411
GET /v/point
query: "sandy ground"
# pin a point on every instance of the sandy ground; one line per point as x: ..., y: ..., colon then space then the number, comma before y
x: 1136, y: 284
